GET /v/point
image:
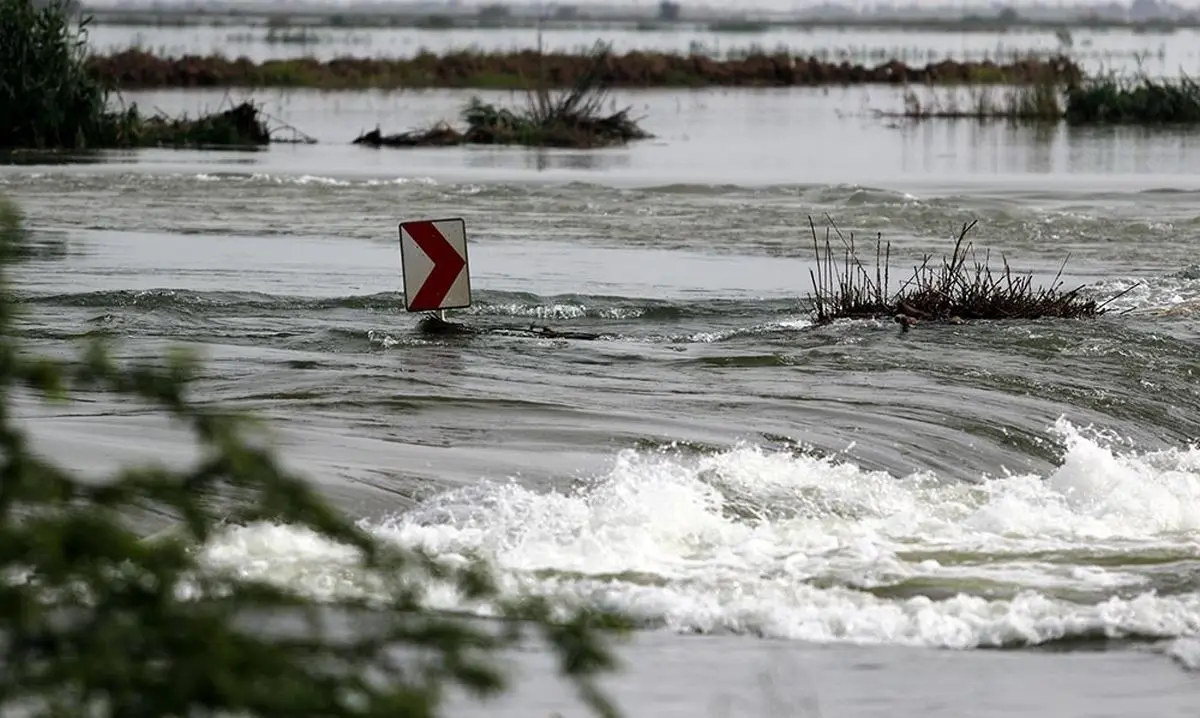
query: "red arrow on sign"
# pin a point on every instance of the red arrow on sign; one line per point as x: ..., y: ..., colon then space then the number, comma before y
x: 447, y: 265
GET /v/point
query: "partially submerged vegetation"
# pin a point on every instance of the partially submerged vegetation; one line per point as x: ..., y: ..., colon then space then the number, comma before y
x: 54, y: 94
x: 960, y: 288
x: 572, y: 118
x: 50, y: 100
x: 1139, y: 100
x: 240, y: 125
x: 526, y: 69
x: 1041, y: 101
x: 1108, y: 99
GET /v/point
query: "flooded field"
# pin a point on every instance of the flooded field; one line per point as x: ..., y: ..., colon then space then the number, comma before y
x: 834, y: 520
x: 1097, y: 51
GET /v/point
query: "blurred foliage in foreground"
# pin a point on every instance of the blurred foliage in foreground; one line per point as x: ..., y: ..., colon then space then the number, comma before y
x: 97, y: 621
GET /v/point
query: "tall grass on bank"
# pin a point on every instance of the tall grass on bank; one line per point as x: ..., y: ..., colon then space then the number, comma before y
x: 1139, y: 100
x: 99, y: 620
x: 1108, y: 99
x: 50, y: 99
x: 1041, y: 101
x: 961, y: 287
x: 47, y: 97
x: 569, y: 118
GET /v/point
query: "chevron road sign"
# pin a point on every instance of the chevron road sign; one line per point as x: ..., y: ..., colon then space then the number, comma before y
x: 433, y: 258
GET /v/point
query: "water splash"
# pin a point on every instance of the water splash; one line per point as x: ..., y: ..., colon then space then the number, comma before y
x: 794, y: 546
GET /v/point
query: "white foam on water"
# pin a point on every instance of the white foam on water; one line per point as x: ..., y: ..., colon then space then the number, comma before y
x: 720, y: 336
x: 799, y: 547
x: 1177, y: 294
x: 306, y: 179
x: 539, y: 311
x: 1186, y: 651
x: 558, y: 310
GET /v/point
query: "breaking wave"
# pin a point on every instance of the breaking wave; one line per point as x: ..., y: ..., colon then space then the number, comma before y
x: 789, y: 545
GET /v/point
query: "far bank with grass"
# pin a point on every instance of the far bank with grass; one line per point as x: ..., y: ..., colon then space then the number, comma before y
x: 1108, y: 99
x: 50, y: 100
x: 527, y: 69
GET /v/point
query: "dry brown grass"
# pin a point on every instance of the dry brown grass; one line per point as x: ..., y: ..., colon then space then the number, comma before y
x: 959, y: 288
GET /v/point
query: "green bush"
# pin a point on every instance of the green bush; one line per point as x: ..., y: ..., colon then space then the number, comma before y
x: 50, y: 99
x: 98, y: 620
x: 47, y: 98
x: 1138, y: 100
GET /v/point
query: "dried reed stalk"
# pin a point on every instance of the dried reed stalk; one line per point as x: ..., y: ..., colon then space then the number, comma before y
x: 959, y: 288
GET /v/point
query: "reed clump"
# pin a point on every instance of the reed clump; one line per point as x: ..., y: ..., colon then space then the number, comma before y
x: 525, y: 69
x: 46, y: 97
x: 571, y: 118
x: 1041, y: 101
x: 1139, y: 100
x: 49, y: 99
x: 959, y: 288
x: 239, y: 125
x: 1108, y: 99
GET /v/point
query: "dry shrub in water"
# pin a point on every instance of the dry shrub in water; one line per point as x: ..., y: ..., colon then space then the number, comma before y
x: 571, y: 118
x: 95, y: 620
x: 575, y: 117
x: 960, y: 287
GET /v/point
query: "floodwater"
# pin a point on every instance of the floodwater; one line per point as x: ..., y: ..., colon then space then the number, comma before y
x: 1166, y: 54
x: 833, y: 521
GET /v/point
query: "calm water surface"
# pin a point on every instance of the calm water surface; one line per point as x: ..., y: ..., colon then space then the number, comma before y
x: 804, y: 521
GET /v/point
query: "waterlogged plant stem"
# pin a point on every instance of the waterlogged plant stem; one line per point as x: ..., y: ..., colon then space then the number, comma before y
x: 843, y: 287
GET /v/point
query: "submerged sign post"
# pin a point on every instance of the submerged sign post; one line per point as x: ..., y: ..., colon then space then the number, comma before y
x: 433, y: 260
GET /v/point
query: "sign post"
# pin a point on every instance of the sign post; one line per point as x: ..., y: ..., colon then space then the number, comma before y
x: 433, y: 261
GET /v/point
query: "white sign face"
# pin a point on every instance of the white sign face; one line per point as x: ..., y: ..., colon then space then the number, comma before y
x: 433, y: 260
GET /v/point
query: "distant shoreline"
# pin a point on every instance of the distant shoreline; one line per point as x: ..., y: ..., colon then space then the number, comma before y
x: 366, y: 20
x: 524, y: 69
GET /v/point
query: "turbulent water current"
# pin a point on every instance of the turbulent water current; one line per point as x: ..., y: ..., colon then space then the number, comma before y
x: 713, y: 463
